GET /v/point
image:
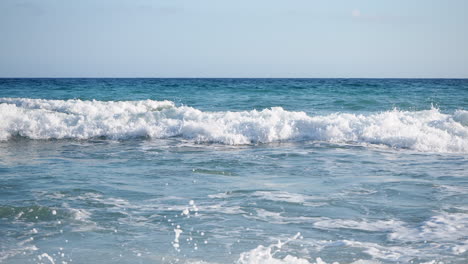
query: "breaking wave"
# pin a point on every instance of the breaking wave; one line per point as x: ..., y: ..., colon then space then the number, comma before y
x: 426, y: 131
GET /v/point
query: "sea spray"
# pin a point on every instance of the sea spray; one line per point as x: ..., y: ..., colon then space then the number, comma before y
x: 262, y: 254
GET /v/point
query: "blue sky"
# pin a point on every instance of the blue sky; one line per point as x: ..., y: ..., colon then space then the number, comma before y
x: 216, y: 38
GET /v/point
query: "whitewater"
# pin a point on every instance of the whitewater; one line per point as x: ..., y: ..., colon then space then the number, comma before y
x: 428, y: 131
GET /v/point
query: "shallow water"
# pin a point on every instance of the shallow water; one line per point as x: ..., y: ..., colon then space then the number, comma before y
x: 348, y: 171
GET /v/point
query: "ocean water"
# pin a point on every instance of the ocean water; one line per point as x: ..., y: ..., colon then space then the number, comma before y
x: 233, y: 171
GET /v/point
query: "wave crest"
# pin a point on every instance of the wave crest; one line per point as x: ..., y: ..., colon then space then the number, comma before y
x: 428, y: 131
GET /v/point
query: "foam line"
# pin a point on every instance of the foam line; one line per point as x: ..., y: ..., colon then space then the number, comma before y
x: 426, y: 131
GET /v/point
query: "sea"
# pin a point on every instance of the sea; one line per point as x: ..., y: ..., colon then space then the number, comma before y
x: 205, y: 171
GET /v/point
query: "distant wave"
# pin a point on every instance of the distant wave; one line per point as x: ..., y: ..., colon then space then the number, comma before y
x: 426, y: 131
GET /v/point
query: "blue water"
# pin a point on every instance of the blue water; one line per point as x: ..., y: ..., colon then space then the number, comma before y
x: 219, y: 170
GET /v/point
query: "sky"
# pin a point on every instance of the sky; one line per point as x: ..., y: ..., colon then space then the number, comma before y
x: 220, y: 38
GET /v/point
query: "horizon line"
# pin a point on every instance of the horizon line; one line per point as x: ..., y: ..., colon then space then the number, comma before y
x: 369, y: 78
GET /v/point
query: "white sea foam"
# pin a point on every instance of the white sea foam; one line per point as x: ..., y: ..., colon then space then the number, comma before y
x: 82, y: 219
x: 262, y: 254
x: 272, y: 255
x: 5, y: 254
x: 428, y: 130
x: 374, y: 226
x: 276, y: 196
x: 444, y: 227
x: 278, y: 217
x: 443, y: 231
x: 46, y: 256
x: 391, y: 253
x: 461, y: 116
x: 450, y: 190
x: 386, y: 253
x: 281, y: 196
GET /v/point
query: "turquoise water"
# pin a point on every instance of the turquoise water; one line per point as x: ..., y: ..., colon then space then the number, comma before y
x: 221, y: 170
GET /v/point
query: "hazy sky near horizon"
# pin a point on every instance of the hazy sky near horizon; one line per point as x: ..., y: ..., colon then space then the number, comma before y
x: 216, y: 38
